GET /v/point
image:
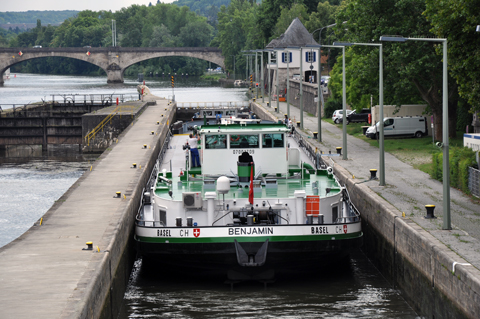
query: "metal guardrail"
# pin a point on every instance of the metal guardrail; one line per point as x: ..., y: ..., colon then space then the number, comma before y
x: 213, y: 105
x: 312, y: 153
x: 118, y: 110
x: 474, y: 181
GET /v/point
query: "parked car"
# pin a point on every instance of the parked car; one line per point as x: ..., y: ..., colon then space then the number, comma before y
x: 362, y: 116
x: 37, y: 46
x: 414, y: 126
x: 338, y: 115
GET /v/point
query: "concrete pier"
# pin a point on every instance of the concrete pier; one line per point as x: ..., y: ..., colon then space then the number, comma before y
x: 45, y: 273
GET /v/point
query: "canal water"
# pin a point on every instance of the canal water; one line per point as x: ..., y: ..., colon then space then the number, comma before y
x: 31, y: 181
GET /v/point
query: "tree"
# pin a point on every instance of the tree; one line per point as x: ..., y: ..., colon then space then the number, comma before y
x: 161, y: 37
x: 287, y: 15
x: 267, y: 17
x: 456, y: 21
x: 236, y: 32
x: 412, y: 70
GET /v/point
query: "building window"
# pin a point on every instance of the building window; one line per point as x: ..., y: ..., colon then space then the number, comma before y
x: 310, y: 56
x: 273, y: 57
x: 285, y: 55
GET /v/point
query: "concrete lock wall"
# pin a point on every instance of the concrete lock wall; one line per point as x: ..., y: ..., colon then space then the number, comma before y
x: 105, y: 289
x: 310, y: 91
x: 412, y: 259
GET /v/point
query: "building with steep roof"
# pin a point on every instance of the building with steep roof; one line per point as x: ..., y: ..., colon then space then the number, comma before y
x: 290, y: 52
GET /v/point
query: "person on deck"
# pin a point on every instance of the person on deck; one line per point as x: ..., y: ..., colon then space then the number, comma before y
x: 193, y: 143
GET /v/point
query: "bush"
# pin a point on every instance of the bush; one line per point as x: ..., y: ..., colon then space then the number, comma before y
x: 330, y: 106
x: 460, y: 159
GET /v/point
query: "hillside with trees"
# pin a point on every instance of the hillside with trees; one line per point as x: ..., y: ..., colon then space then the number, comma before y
x: 47, y: 17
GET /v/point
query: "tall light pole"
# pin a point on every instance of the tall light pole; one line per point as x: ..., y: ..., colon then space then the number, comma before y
x: 319, y: 77
x: 301, y: 88
x: 256, y: 74
x: 262, y: 76
x: 380, y: 100
x: 287, y: 56
x: 269, y: 60
x: 278, y: 102
x: 446, y: 170
x: 234, y: 78
x: 114, y: 33
x: 344, y: 102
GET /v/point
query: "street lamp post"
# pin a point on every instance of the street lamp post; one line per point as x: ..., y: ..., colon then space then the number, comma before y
x: 301, y: 88
x: 256, y: 75
x: 287, y: 55
x: 319, y: 77
x: 234, y: 78
x: 344, y: 103
x: 269, y: 78
x: 262, y: 76
x: 446, y: 170
x: 380, y: 100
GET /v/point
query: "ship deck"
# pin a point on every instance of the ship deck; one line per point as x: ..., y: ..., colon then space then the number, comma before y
x: 277, y: 187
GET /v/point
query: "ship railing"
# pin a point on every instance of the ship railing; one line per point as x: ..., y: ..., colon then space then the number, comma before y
x: 350, y: 203
x: 161, y: 155
x: 309, y: 150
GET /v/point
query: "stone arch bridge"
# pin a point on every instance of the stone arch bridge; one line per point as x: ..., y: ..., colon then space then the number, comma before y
x: 113, y: 60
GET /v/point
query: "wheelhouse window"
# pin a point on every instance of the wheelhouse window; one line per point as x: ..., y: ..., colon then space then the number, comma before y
x: 218, y: 141
x: 244, y: 141
x: 273, y: 140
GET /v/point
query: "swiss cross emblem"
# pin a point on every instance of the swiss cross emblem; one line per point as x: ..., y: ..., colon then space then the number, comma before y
x: 20, y: 53
x: 345, y: 229
x: 88, y: 53
x: 196, y: 232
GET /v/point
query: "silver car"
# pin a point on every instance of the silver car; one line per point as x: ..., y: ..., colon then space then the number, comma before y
x: 338, y: 116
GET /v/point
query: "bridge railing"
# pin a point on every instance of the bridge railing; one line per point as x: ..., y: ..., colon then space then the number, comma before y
x: 104, y: 99
x: 213, y: 105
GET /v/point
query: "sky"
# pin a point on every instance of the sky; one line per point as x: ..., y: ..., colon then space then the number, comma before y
x: 78, y: 5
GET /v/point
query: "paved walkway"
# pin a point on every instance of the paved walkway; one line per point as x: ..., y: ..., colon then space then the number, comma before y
x: 408, y: 189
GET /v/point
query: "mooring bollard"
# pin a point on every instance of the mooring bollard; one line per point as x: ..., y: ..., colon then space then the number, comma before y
x: 275, y: 109
x: 430, y: 211
x: 373, y: 173
x: 339, y: 150
x: 268, y: 104
x: 315, y: 135
x: 298, y: 124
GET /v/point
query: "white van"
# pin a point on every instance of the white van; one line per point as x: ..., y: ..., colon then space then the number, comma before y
x: 414, y: 126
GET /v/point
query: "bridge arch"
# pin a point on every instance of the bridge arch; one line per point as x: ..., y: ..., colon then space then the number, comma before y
x: 113, y: 60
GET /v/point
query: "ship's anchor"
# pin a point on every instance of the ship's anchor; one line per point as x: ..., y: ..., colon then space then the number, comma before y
x: 251, y: 260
